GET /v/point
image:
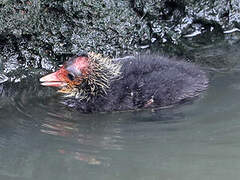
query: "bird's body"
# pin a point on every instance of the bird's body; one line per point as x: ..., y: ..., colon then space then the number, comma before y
x: 145, y: 81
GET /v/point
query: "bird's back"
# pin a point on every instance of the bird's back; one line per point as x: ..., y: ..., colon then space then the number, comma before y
x: 154, y: 81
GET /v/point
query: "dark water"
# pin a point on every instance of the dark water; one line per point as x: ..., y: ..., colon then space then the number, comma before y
x: 41, y: 139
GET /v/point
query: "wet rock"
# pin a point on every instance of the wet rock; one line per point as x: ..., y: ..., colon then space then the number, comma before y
x: 3, y: 78
x: 37, y: 35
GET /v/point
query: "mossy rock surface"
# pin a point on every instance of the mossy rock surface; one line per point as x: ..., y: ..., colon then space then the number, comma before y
x: 37, y: 35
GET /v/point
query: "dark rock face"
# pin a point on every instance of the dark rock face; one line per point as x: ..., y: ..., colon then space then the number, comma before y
x: 39, y: 34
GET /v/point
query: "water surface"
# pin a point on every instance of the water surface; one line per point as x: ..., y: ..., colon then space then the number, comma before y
x: 41, y: 139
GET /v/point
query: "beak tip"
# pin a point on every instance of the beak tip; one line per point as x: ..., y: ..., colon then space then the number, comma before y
x: 55, y: 79
x: 50, y: 77
x: 41, y: 79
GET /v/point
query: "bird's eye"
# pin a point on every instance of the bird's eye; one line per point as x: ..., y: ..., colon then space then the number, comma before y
x: 70, y: 76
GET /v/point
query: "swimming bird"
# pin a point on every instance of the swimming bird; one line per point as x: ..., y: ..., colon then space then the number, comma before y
x: 93, y: 83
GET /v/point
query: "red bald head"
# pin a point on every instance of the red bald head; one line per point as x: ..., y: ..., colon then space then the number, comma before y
x: 71, y: 73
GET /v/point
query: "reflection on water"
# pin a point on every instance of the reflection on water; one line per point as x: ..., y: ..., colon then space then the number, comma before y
x: 42, y: 139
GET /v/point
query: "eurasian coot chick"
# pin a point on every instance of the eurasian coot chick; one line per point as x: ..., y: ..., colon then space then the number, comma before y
x: 93, y: 83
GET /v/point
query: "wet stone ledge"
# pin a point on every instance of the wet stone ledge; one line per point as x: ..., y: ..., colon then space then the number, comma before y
x: 37, y: 35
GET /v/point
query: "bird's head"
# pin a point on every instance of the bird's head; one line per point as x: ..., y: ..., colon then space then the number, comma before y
x: 84, y: 76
